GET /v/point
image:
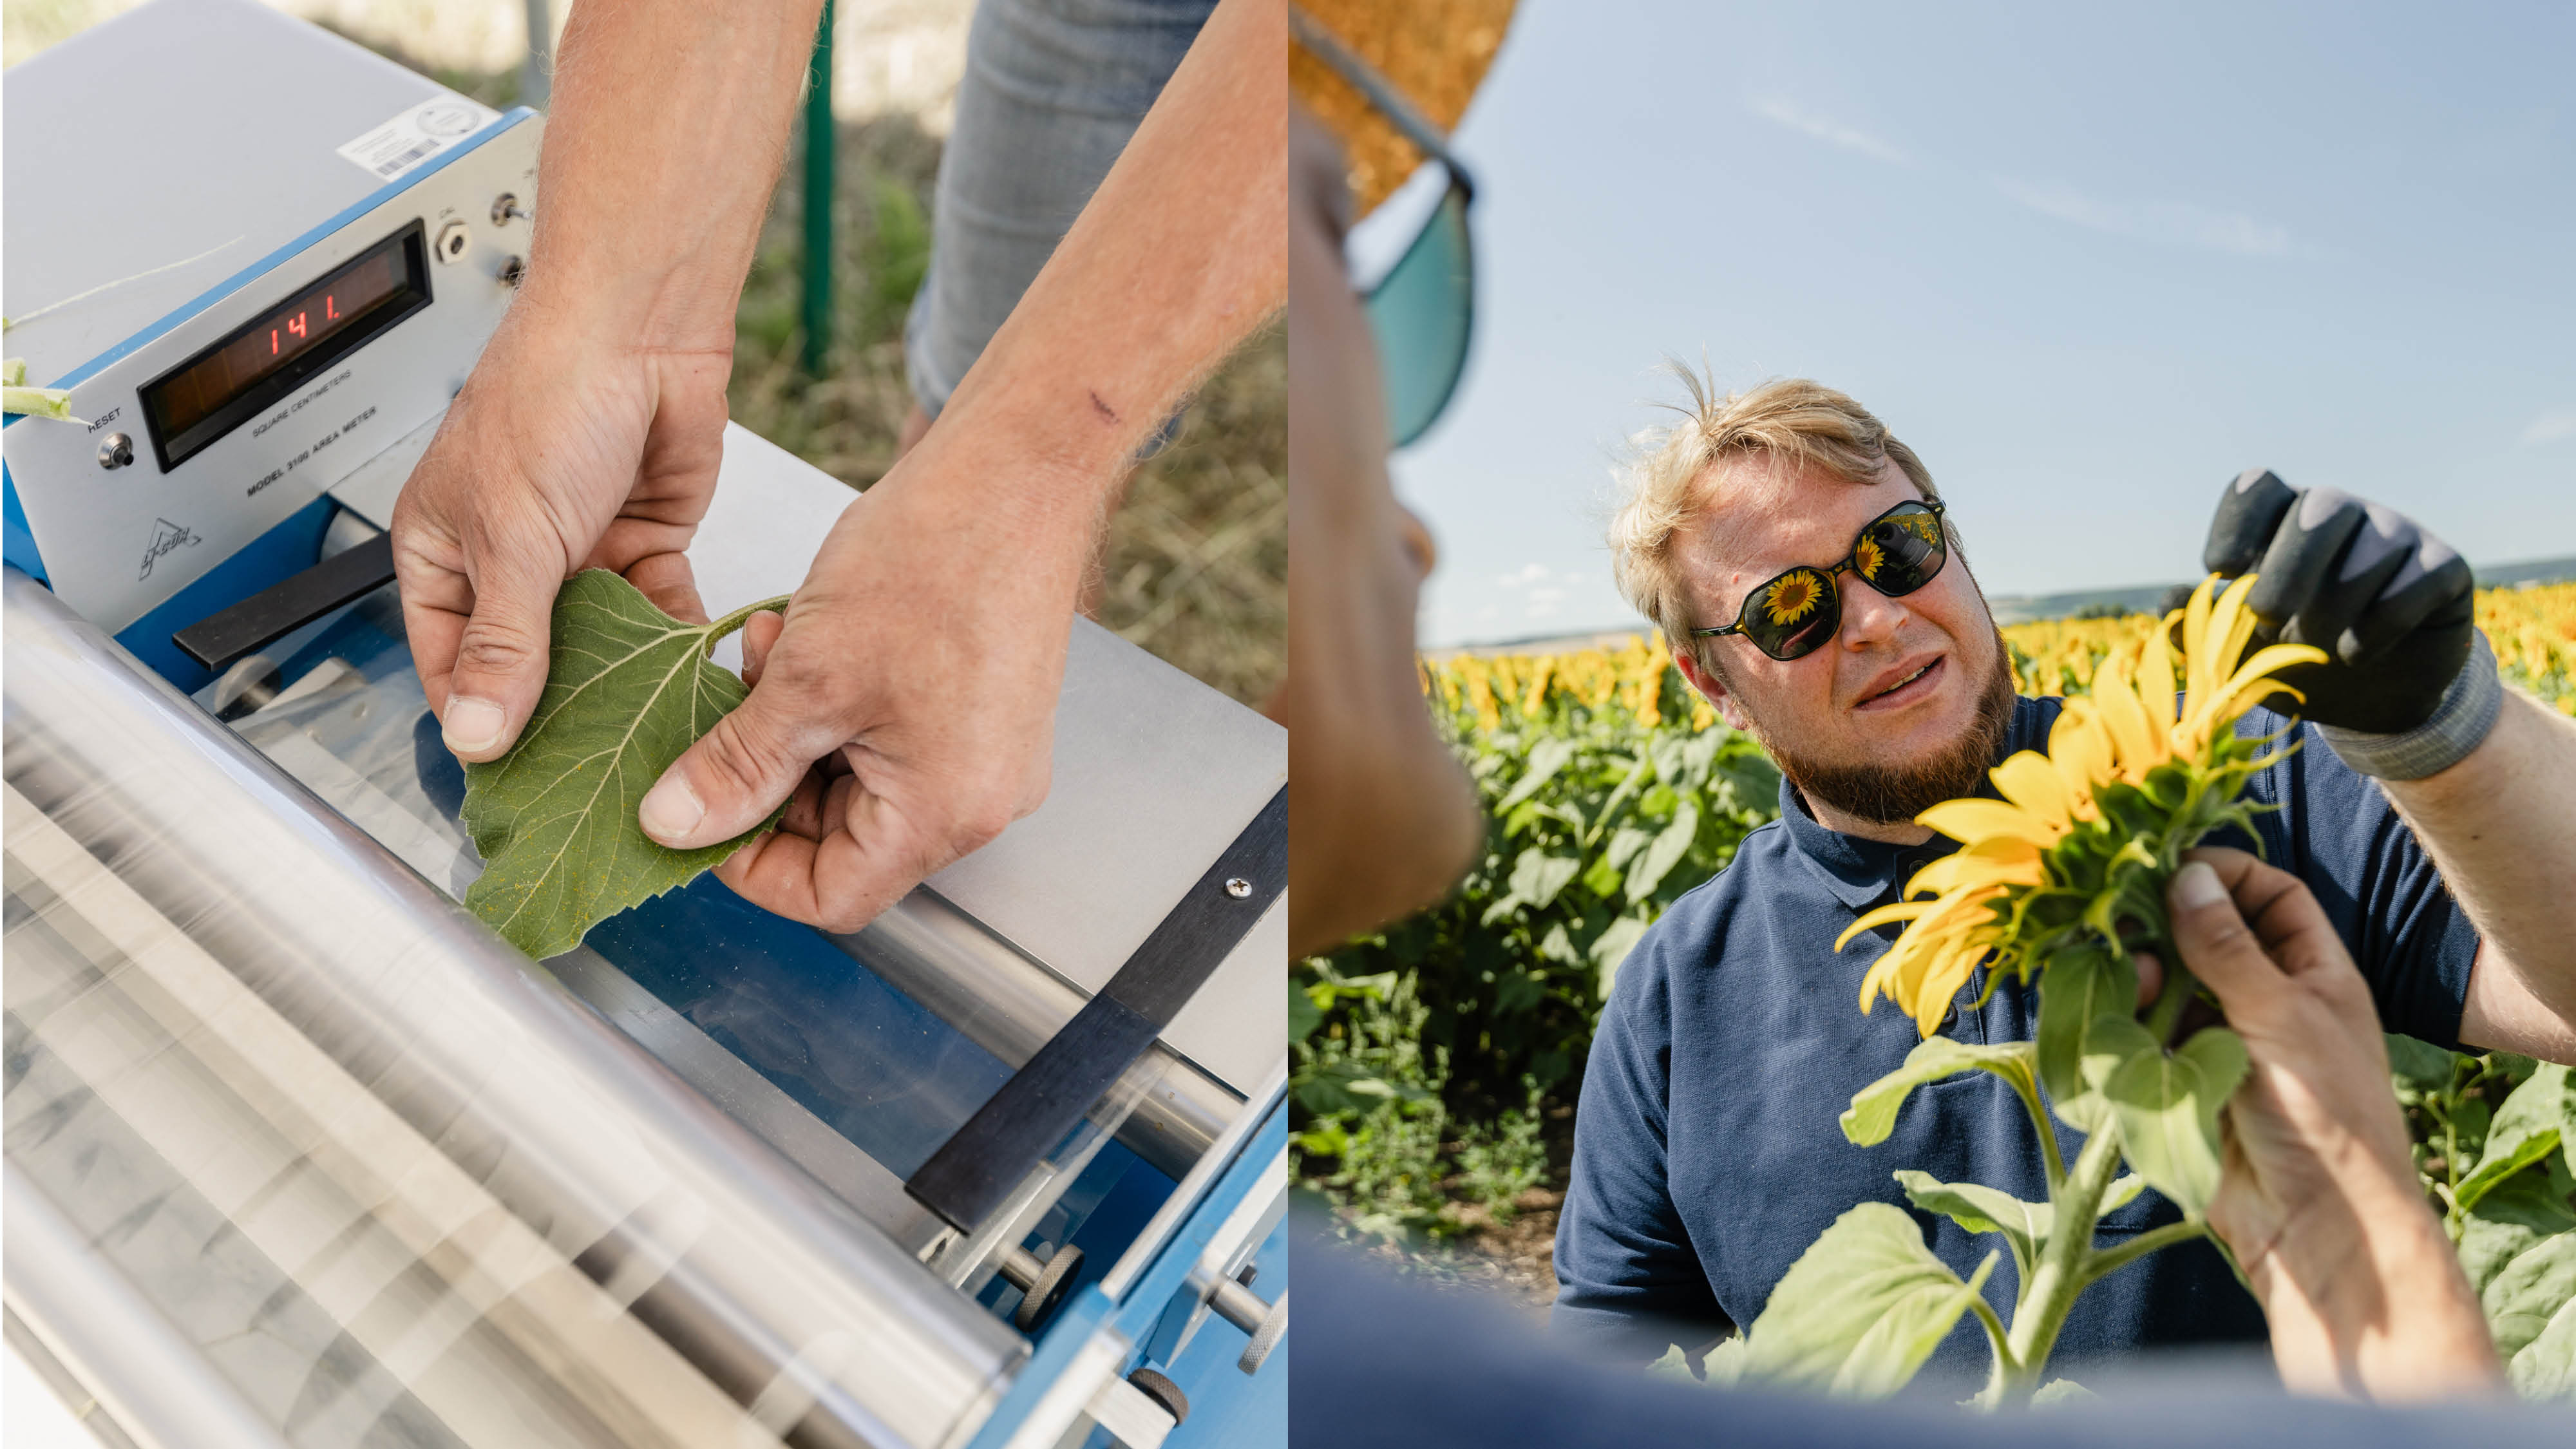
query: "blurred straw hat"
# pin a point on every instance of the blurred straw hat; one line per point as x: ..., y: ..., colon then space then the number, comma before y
x: 1434, y: 51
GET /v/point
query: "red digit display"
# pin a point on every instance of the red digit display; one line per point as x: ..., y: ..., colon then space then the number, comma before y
x: 198, y: 402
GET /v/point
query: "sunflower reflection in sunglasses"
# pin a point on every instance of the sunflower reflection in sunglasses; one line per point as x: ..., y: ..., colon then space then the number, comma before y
x: 1789, y: 615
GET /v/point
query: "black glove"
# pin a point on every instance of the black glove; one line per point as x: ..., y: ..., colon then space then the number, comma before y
x: 2391, y: 605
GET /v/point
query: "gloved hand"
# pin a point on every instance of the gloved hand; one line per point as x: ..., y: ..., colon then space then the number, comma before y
x: 2389, y: 603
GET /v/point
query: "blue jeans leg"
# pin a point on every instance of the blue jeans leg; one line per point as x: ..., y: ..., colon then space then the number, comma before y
x: 1053, y: 91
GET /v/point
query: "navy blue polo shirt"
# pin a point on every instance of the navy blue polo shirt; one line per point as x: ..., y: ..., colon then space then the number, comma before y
x: 1707, y: 1155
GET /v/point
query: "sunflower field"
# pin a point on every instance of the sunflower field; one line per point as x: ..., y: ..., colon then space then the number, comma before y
x: 1436, y: 1062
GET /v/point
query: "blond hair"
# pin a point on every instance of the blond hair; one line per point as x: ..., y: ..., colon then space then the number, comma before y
x: 1797, y: 423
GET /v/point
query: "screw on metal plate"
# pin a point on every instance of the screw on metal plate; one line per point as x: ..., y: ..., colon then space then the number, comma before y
x: 1238, y: 887
x: 115, y: 451
x: 514, y: 270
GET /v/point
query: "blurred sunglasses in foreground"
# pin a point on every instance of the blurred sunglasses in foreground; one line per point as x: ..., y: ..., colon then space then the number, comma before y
x: 1896, y: 553
x: 1411, y: 261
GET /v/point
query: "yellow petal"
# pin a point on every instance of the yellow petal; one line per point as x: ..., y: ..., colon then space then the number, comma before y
x: 2252, y: 684
x: 1940, y: 982
x: 1969, y: 821
x: 1901, y: 911
x: 1968, y: 871
x: 2195, y: 628
x: 2156, y: 686
x: 2080, y: 746
x: 2231, y: 624
x: 2028, y: 780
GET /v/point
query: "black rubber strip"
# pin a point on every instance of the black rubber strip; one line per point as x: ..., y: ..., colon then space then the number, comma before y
x: 973, y: 1171
x: 275, y: 612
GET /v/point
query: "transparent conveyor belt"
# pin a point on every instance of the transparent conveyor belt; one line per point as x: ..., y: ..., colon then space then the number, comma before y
x: 394, y: 1185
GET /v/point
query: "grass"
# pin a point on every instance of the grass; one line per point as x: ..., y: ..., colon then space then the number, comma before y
x: 1195, y: 567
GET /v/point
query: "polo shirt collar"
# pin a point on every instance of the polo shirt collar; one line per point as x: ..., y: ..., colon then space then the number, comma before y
x: 1861, y: 872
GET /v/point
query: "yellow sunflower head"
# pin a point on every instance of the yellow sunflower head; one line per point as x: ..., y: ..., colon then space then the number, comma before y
x: 2085, y: 835
x: 1793, y: 596
x: 1867, y: 556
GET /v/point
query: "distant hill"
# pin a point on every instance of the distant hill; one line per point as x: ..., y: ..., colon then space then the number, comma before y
x: 2008, y: 609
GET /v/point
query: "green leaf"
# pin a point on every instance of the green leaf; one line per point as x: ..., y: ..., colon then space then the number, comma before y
x: 2167, y: 1108
x: 2526, y: 1129
x: 1545, y: 758
x: 1723, y: 1366
x: 2081, y: 989
x: 2061, y: 1391
x: 2419, y: 1062
x: 2488, y: 1243
x: 1675, y: 1364
x: 630, y: 690
x: 1347, y: 1086
x: 1982, y: 1209
x: 2546, y: 1366
x: 1649, y: 869
x: 2533, y: 1286
x: 1872, y: 1114
x: 1611, y: 948
x: 1303, y: 1014
x: 1625, y: 842
x: 2123, y: 1190
x: 2529, y: 1197
x: 34, y: 402
x: 1861, y: 1309
x: 1537, y: 876
x: 1602, y: 877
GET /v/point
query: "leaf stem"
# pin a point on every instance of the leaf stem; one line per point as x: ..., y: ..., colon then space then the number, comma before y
x: 2103, y: 1264
x: 2176, y: 994
x: 2047, y: 1134
x: 2006, y: 1366
x: 739, y: 617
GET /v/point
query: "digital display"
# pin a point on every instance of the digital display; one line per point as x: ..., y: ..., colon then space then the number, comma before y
x: 228, y: 384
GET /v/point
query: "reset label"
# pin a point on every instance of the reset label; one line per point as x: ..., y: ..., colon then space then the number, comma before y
x: 418, y: 134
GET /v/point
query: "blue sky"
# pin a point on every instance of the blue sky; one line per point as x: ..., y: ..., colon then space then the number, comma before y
x: 2088, y: 263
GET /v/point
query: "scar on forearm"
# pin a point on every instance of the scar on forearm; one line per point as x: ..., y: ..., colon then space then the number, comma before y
x: 1107, y: 413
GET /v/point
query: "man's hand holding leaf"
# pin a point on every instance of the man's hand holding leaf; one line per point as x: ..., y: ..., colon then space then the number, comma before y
x: 904, y: 705
x: 559, y: 455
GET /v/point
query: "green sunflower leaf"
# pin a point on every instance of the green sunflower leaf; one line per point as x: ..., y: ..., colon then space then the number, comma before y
x: 2545, y: 1368
x: 2079, y: 989
x: 1861, y: 1309
x: 1545, y: 758
x: 2167, y: 1108
x: 2531, y: 1123
x: 1872, y: 1114
x: 630, y: 690
x: 1537, y: 876
x: 1983, y: 1209
x: 2533, y: 1286
x: 1674, y: 842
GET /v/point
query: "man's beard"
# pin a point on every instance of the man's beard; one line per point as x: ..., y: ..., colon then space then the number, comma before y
x: 1895, y: 794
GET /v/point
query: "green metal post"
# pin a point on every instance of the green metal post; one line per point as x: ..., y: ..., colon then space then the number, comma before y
x: 818, y: 200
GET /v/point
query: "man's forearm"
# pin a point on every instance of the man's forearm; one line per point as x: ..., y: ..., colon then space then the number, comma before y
x: 1179, y: 255
x: 2501, y: 825
x: 669, y: 125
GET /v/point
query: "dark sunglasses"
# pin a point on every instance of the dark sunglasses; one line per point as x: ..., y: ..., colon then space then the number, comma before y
x: 1896, y: 553
x: 1422, y: 311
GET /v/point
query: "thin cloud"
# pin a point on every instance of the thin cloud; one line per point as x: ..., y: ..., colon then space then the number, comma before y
x: 1526, y: 575
x: 2174, y: 223
x: 1832, y: 133
x: 2550, y: 427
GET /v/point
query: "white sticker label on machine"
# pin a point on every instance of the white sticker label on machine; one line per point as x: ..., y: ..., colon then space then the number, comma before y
x: 418, y: 134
